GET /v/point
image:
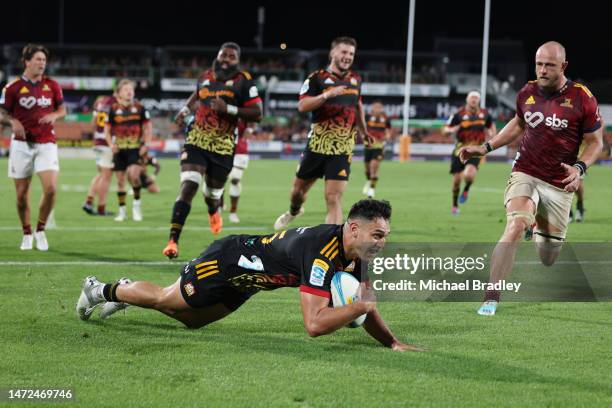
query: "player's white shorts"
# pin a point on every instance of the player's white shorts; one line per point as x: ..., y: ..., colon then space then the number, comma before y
x: 26, y: 159
x: 241, y: 162
x: 104, y: 156
x: 552, y: 203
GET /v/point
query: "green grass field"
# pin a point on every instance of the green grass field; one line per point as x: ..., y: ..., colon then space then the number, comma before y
x: 530, y: 354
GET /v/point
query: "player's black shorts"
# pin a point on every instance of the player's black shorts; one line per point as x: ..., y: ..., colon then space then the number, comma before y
x: 332, y: 167
x: 374, y: 154
x: 218, y: 166
x: 458, y: 167
x: 125, y: 158
x: 204, y: 280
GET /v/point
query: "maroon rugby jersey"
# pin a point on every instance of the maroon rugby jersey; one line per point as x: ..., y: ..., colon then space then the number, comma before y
x: 28, y: 102
x: 242, y: 146
x: 554, y: 127
x: 101, y: 109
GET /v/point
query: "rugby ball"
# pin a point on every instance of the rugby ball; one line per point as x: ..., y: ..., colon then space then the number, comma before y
x: 344, y: 291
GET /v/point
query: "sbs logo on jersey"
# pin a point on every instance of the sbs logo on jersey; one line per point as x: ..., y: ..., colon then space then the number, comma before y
x: 30, y: 101
x: 533, y: 119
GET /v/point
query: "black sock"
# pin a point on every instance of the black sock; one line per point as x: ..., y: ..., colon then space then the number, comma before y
x: 136, y: 193
x: 455, y: 196
x: 121, y: 197
x: 467, y: 186
x: 367, y: 174
x: 110, y: 292
x: 373, y: 182
x: 213, y: 205
x: 180, y: 211
x: 492, y: 295
x: 579, y: 206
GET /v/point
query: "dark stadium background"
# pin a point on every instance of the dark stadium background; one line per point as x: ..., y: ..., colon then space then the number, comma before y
x: 582, y: 27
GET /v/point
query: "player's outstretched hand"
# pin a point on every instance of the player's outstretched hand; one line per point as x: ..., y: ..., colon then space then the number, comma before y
x: 467, y: 152
x: 572, y: 181
x: 399, y: 346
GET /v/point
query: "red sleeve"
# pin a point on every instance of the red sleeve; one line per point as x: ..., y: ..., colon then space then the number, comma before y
x: 58, y: 95
x: 7, y: 99
x: 591, y: 117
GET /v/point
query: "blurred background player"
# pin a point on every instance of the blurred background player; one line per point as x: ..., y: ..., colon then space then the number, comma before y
x: 128, y: 131
x: 553, y: 116
x: 33, y: 103
x: 148, y: 180
x: 241, y: 162
x: 224, y: 95
x: 104, y: 159
x: 333, y: 95
x: 472, y: 126
x: 379, y: 129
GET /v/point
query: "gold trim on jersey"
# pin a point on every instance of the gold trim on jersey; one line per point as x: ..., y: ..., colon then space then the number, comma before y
x: 128, y: 142
x: 206, y: 269
x: 331, y: 138
x: 330, y: 247
x: 212, y: 138
x: 585, y: 89
x: 468, y: 123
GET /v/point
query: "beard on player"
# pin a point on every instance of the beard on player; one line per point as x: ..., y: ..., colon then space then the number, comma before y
x: 224, y: 70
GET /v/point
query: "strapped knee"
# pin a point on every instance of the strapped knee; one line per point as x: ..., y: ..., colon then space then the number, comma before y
x: 528, y: 216
x: 235, y: 189
x: 193, y: 176
x: 214, y: 193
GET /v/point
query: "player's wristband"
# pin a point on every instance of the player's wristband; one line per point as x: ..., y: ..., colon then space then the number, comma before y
x: 232, y: 110
x: 488, y: 146
x: 580, y: 165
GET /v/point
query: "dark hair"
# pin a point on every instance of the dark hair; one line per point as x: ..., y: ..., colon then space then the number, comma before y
x: 344, y: 40
x: 231, y: 45
x: 369, y: 209
x: 29, y: 50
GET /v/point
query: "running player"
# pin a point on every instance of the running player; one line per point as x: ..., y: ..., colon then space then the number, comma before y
x: 471, y: 125
x: 128, y: 131
x: 224, y: 94
x: 379, y: 127
x: 333, y: 95
x: 553, y: 115
x: 104, y: 158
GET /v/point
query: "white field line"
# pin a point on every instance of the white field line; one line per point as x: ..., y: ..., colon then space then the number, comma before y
x: 140, y: 229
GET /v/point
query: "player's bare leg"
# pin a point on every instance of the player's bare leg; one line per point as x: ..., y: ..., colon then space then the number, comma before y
x: 133, y: 175
x: 121, y: 195
x: 455, y: 189
x: 191, y: 178
x: 168, y: 300
x: 548, y: 241
x: 213, y: 191
x: 580, y: 202
x: 374, y: 166
x: 334, y: 189
x: 102, y: 187
x: 299, y: 192
x: 235, y: 191
x: 22, y: 190
x: 367, y: 185
x: 469, y: 175
x: 519, y: 212
x: 48, y: 180
x: 91, y: 193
